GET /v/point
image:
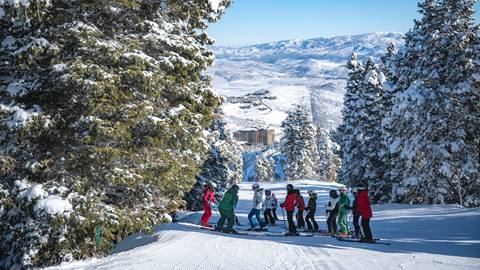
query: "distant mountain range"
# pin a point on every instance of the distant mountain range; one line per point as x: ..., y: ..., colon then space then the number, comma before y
x: 308, y: 72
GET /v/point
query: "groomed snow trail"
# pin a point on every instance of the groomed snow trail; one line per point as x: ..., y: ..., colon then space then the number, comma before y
x: 422, y: 237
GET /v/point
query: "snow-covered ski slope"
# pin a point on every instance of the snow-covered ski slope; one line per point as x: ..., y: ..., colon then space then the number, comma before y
x: 422, y: 237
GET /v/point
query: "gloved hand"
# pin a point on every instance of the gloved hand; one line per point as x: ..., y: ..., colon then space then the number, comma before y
x: 282, y: 205
x: 299, y: 206
x: 328, y: 211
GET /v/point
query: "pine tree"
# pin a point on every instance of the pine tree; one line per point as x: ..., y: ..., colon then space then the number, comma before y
x: 373, y: 151
x: 298, y: 145
x: 223, y: 166
x: 350, y: 133
x: 264, y: 169
x: 102, y: 110
x: 329, y: 162
x: 432, y: 123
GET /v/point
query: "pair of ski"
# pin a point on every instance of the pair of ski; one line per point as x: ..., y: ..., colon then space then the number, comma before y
x: 267, y: 233
x: 252, y: 233
x: 351, y: 240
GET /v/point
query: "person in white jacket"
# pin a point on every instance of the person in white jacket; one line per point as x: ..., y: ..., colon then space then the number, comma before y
x: 332, y: 212
x: 268, y: 205
x: 257, y: 207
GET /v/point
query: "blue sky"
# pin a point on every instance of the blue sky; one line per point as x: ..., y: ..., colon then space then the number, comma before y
x: 256, y: 21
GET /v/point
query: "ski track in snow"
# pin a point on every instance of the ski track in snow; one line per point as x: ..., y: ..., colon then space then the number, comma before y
x: 422, y: 237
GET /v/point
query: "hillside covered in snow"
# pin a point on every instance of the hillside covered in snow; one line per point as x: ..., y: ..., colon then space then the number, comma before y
x: 309, y: 72
x: 421, y: 237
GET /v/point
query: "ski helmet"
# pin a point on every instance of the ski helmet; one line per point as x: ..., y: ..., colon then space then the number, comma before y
x: 289, y: 187
x: 311, y: 191
x: 333, y: 193
x: 255, y: 186
x: 268, y: 192
x: 236, y: 187
x: 212, y: 184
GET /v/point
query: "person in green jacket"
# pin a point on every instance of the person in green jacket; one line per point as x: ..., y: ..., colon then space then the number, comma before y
x: 226, y: 208
x: 343, y: 206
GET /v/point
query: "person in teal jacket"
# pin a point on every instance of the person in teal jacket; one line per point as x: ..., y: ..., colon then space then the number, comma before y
x: 226, y: 208
x: 343, y: 206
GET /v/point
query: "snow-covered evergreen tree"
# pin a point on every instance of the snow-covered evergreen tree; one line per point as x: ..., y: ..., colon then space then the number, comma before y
x: 223, y: 166
x: 264, y: 169
x: 350, y: 132
x: 433, y: 125
x: 328, y: 159
x: 299, y: 146
x: 369, y: 123
x: 102, y: 110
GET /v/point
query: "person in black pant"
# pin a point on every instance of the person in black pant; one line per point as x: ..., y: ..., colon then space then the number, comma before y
x: 363, y: 206
x: 301, y: 208
x: 332, y: 213
x: 356, y: 214
x: 268, y: 205
x: 312, y: 225
x: 274, y: 210
x: 289, y: 204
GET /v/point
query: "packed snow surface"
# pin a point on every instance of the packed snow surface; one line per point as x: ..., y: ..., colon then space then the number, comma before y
x: 421, y: 237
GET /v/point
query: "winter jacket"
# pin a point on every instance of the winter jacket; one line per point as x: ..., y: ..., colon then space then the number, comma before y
x: 208, y: 196
x: 312, y: 204
x: 229, y: 200
x: 290, y: 201
x: 343, y: 203
x: 363, y: 204
x: 332, y: 205
x: 257, y: 198
x: 269, y: 203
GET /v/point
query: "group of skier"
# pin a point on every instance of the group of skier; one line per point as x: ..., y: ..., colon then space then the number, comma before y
x: 337, y: 210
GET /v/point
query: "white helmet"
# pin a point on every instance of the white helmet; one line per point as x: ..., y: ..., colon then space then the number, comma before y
x: 212, y: 184
x: 255, y: 186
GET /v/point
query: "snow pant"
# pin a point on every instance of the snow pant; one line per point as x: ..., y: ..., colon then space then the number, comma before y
x: 366, y: 229
x: 274, y: 211
x: 332, y: 223
x: 300, y: 220
x: 356, y: 219
x: 267, y: 215
x: 343, y: 222
x: 229, y: 216
x: 312, y: 225
x: 256, y: 213
x: 207, y: 214
x: 291, y: 224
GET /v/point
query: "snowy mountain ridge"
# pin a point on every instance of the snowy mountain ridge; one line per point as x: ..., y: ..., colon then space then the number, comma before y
x: 325, y: 48
x: 309, y: 72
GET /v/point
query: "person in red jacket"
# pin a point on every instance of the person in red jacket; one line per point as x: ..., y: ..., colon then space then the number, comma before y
x: 291, y: 201
x: 301, y: 208
x: 363, y: 207
x: 208, y: 199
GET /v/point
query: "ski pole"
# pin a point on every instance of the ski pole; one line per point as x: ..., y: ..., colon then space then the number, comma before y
x: 284, y: 223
